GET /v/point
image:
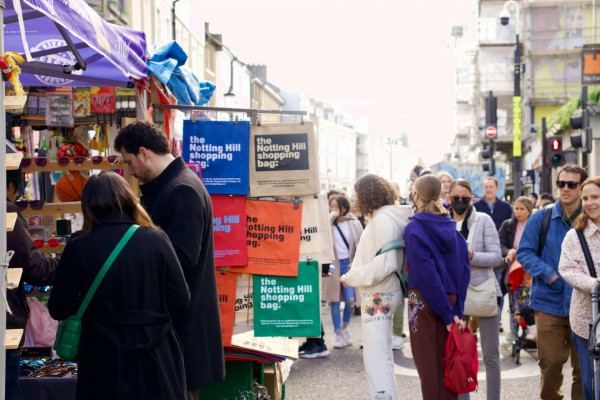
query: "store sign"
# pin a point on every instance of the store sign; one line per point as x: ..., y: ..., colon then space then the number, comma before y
x: 288, y: 306
x: 528, y: 177
x: 590, y: 65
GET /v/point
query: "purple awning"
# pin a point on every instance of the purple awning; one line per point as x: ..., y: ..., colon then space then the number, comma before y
x: 62, y: 36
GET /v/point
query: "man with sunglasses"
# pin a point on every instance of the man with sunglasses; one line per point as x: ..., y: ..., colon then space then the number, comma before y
x: 178, y: 202
x: 38, y: 269
x: 550, y: 295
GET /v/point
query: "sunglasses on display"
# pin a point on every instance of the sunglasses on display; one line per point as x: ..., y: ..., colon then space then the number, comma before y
x: 51, y: 243
x: 460, y: 199
x: 39, y: 161
x: 569, y: 184
x: 111, y: 159
x: 42, y: 289
x: 33, y: 204
x: 63, y: 161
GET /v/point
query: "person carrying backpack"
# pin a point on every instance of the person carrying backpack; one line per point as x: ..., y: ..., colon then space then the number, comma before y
x: 439, y: 273
x: 539, y: 254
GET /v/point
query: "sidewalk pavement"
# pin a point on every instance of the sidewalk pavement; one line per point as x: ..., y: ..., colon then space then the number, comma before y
x: 341, y: 374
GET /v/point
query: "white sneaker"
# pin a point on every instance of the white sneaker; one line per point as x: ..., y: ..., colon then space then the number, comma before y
x: 397, y: 342
x: 347, y: 338
x: 339, y: 342
x: 509, y: 340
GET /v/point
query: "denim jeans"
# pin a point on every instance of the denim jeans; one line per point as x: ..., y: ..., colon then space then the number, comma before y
x: 585, y: 363
x: 348, y: 299
x: 13, y: 359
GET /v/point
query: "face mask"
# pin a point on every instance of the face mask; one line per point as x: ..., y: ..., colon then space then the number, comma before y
x: 459, y: 207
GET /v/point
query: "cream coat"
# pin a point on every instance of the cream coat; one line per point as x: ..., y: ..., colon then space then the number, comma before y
x: 574, y: 270
x: 377, y: 274
x: 331, y: 284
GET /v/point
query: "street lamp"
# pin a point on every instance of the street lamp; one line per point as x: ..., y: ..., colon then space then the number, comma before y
x: 504, y: 19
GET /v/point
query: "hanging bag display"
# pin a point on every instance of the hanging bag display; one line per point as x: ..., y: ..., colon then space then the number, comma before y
x: 481, y: 300
x: 69, y: 330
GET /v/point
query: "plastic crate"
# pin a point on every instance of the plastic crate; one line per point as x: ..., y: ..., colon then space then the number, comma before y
x: 238, y: 383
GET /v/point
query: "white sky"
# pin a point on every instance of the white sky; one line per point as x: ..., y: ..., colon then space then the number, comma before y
x: 397, y: 53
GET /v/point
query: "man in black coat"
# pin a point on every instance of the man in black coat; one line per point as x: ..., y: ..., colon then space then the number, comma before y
x: 178, y: 202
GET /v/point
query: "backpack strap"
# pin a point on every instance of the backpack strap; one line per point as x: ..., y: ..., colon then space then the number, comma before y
x: 586, y: 253
x: 396, y: 245
x: 544, y: 231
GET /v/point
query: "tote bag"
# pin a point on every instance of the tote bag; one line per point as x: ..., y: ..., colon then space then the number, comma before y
x: 481, y: 299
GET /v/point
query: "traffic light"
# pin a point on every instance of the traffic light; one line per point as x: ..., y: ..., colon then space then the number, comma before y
x: 581, y: 120
x: 555, y: 151
x: 488, y: 155
x: 491, y: 106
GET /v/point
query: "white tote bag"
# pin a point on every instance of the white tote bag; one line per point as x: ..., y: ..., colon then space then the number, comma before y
x: 481, y: 300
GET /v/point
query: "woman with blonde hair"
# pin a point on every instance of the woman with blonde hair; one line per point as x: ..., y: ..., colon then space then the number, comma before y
x: 446, y: 180
x: 510, y: 235
x: 574, y: 270
x: 375, y: 277
x: 437, y: 284
x: 127, y: 338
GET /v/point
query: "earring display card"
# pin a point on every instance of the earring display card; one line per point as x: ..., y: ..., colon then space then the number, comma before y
x: 59, y: 111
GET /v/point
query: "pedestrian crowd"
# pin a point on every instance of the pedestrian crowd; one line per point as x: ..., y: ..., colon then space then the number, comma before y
x: 452, y: 260
x: 464, y: 257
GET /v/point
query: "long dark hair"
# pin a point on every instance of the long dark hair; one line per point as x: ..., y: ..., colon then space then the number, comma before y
x: 107, y: 193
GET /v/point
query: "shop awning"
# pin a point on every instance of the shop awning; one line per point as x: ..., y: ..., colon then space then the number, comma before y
x: 69, y: 44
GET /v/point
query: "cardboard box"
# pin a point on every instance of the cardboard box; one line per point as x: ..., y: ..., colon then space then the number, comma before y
x: 273, y: 381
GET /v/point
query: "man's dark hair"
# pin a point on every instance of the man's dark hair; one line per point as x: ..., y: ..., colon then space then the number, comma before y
x: 14, y: 176
x: 141, y: 134
x: 573, y: 169
x: 534, y: 195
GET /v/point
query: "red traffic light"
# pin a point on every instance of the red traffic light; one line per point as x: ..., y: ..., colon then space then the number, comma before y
x: 555, y: 144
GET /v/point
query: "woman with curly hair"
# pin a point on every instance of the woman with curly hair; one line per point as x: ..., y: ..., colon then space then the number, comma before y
x: 375, y: 277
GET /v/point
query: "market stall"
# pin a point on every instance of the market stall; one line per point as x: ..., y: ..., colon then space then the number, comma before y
x: 59, y: 58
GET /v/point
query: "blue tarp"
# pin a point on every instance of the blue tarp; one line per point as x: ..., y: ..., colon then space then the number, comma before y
x: 167, y: 64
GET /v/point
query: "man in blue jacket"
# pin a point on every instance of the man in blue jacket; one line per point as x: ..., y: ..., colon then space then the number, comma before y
x: 498, y: 209
x: 550, y: 295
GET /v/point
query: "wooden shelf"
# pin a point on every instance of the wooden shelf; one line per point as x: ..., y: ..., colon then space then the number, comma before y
x: 55, y: 208
x: 47, y: 249
x: 12, y: 338
x: 13, y: 277
x: 11, y: 219
x: 13, y: 160
x: 86, y: 166
x: 42, y: 120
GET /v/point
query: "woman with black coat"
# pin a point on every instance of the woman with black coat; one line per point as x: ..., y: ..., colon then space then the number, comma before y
x: 128, y: 346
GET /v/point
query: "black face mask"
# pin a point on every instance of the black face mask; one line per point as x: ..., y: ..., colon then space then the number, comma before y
x: 459, y: 207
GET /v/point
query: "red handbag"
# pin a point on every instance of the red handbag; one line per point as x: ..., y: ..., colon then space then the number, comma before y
x: 460, y: 361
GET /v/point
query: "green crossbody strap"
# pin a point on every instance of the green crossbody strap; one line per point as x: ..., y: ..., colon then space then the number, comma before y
x: 394, y: 244
x: 104, y: 269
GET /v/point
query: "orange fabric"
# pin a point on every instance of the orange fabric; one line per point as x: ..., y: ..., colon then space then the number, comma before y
x: 226, y: 286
